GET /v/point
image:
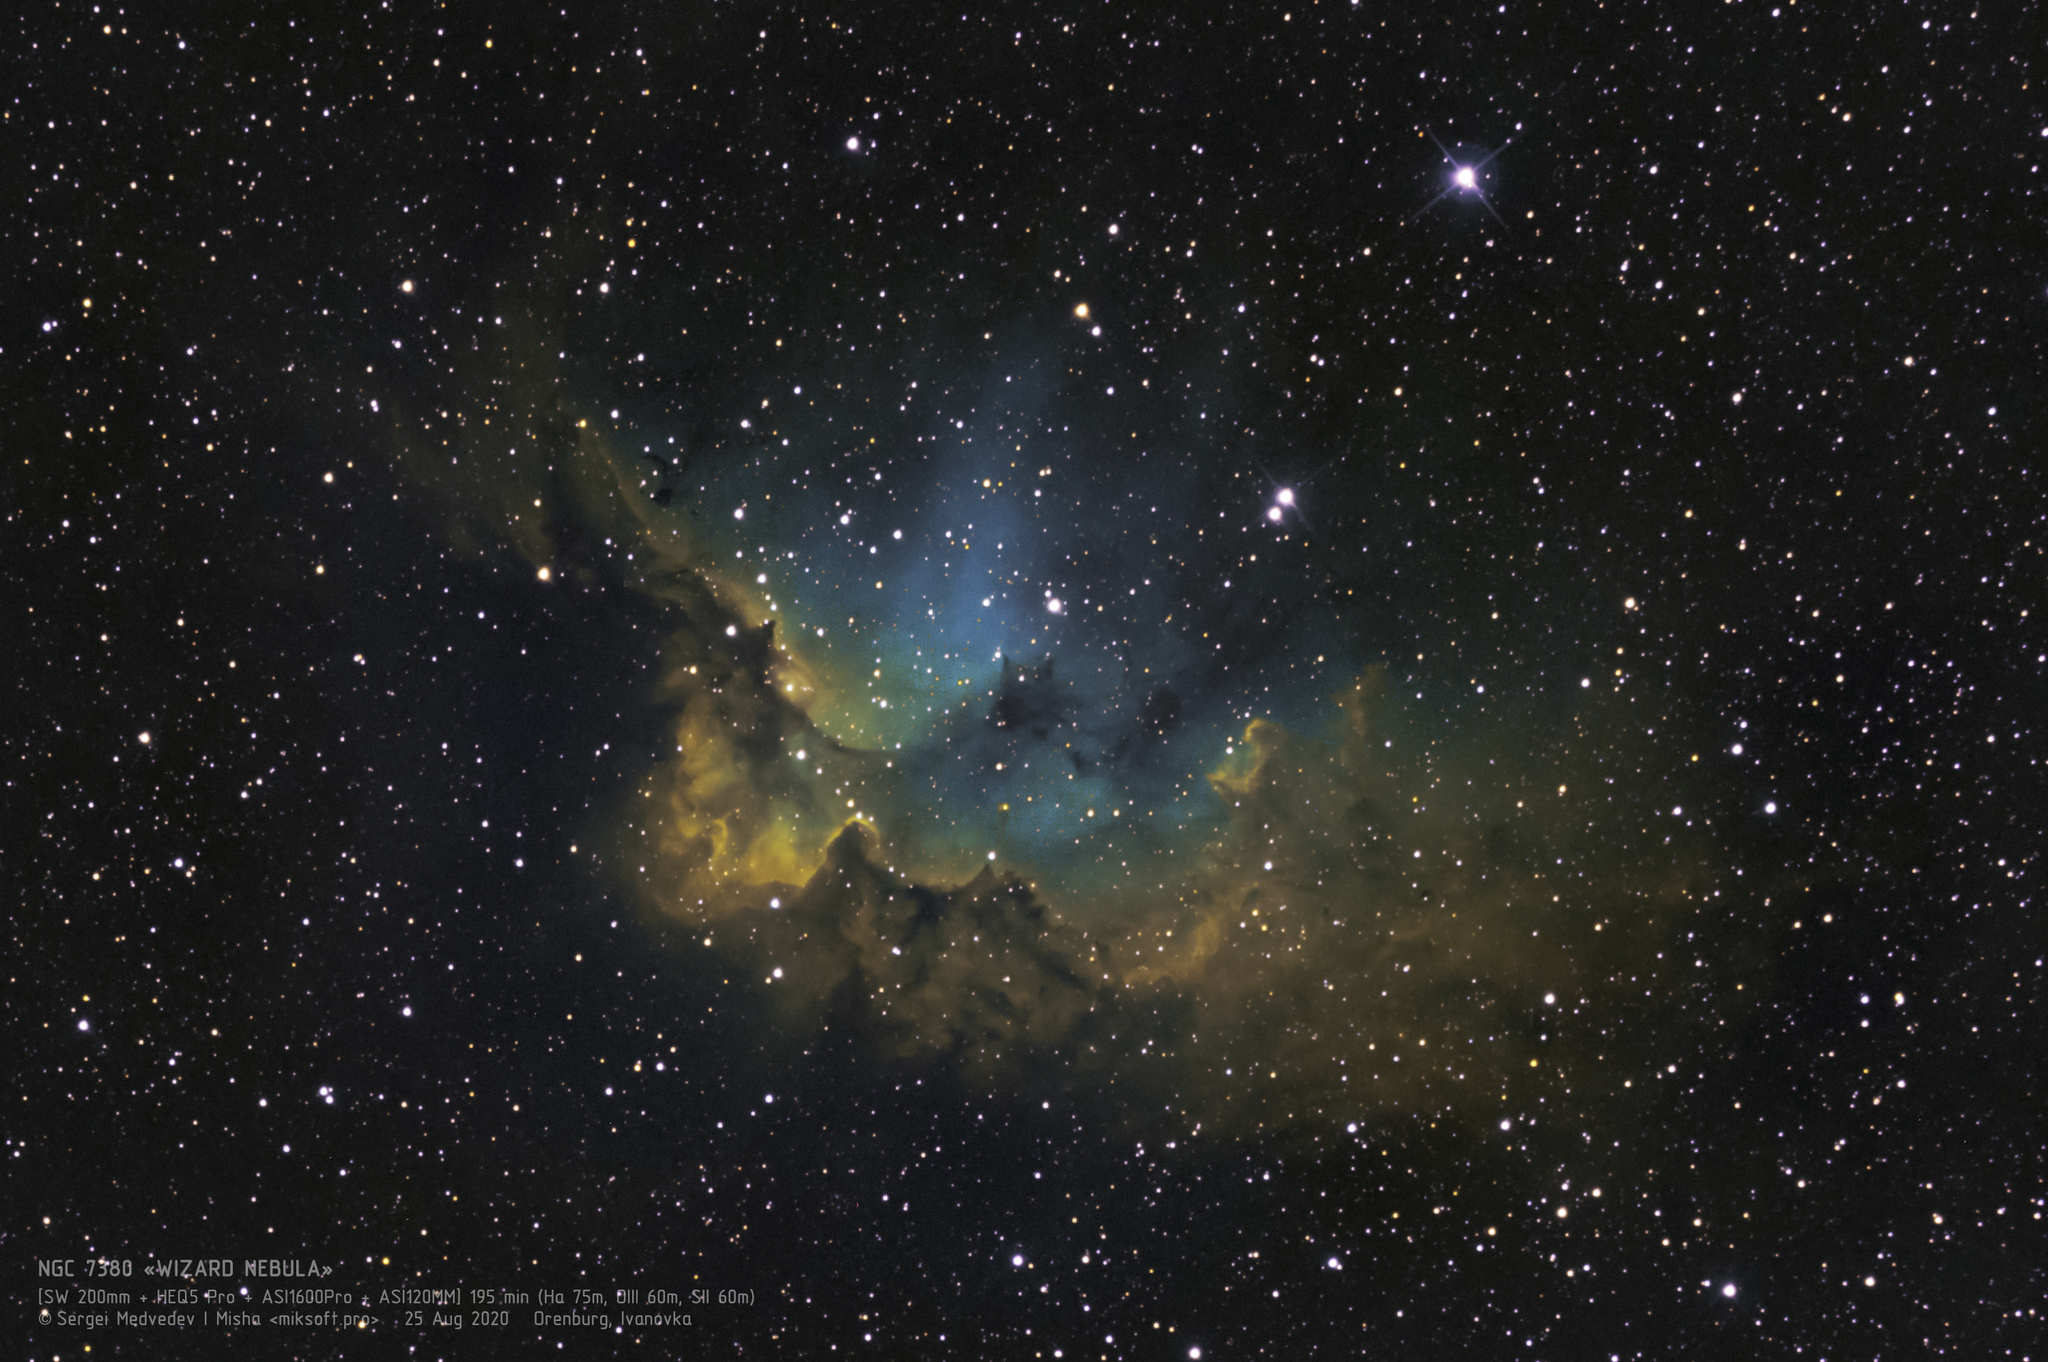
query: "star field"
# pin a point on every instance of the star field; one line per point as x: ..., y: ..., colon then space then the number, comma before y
x: 1324, y: 681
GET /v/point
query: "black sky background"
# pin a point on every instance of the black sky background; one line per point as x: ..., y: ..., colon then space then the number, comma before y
x: 240, y: 200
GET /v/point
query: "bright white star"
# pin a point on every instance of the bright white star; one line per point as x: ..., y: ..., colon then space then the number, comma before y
x: 1464, y: 179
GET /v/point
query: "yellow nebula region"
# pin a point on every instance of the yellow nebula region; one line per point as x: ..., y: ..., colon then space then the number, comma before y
x: 1450, y: 933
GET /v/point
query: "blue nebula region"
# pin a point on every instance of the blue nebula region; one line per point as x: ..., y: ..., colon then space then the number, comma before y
x: 1053, y: 637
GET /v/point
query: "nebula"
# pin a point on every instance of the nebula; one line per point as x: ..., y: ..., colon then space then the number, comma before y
x: 913, y: 782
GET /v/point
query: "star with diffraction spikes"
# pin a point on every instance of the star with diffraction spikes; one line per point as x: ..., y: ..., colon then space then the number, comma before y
x: 1464, y: 180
